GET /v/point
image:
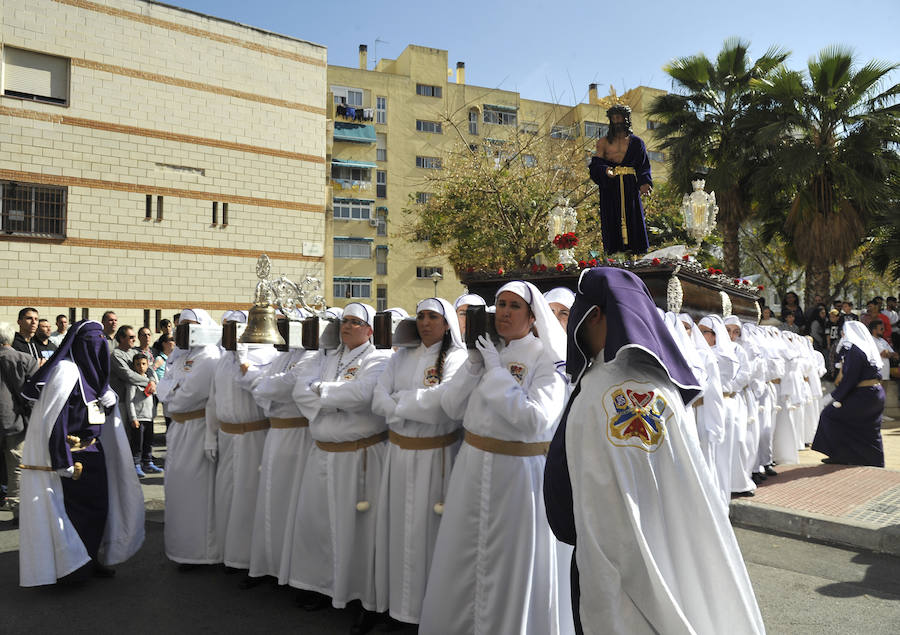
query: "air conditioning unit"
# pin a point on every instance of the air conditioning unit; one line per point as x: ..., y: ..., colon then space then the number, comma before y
x: 373, y: 222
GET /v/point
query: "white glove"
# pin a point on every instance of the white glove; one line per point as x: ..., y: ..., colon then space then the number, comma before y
x: 240, y: 354
x: 316, y: 387
x: 488, y: 352
x: 66, y: 472
x: 476, y: 361
x: 212, y: 454
x: 108, y: 399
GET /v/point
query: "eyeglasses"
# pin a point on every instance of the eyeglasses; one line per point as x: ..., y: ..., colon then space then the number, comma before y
x: 353, y: 322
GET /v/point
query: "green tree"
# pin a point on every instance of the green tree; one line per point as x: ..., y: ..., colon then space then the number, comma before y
x: 832, y: 134
x: 704, y: 129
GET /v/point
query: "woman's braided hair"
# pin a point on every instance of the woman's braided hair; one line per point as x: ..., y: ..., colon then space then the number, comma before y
x: 445, y: 346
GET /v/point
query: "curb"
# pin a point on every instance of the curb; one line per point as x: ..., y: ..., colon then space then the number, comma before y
x: 846, y: 533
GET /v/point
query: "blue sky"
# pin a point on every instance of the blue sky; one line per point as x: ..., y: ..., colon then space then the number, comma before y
x: 552, y: 50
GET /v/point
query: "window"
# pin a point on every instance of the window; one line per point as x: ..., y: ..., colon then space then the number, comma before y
x: 215, y: 213
x: 158, y: 316
x: 35, y: 76
x: 146, y: 318
x: 350, y: 248
x: 381, y: 254
x: 428, y: 91
x: 381, y: 217
x: 595, y: 130
x: 473, y: 121
x: 33, y: 210
x: 428, y: 126
x: 656, y: 156
x: 429, y: 163
x: 85, y: 314
x: 423, y: 197
x: 426, y: 272
x: 381, y: 110
x: 652, y: 125
x: 349, y: 173
x: 352, y: 287
x: 381, y: 298
x: 224, y: 214
x: 380, y: 147
x: 159, y: 208
x: 381, y: 184
x: 501, y: 117
x: 529, y: 127
x: 352, y: 209
x: 562, y: 132
x: 148, y: 207
x: 347, y: 96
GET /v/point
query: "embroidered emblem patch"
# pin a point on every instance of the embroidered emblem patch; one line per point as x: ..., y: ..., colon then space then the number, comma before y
x: 518, y: 371
x: 638, y: 419
x: 188, y: 363
x: 350, y: 373
x: 431, y: 376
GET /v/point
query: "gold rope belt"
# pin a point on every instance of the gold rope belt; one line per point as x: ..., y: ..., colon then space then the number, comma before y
x: 728, y: 395
x: 295, y: 422
x: 181, y: 417
x: 424, y: 443
x: 698, y: 403
x: 868, y: 382
x: 776, y: 381
x: 241, y: 428
x: 79, y: 468
x: 509, y: 448
x: 352, y: 446
x: 621, y: 171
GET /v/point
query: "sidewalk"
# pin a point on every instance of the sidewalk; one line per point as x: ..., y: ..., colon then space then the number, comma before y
x: 851, y: 506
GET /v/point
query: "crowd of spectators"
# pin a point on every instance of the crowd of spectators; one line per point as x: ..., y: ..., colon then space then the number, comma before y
x: 24, y: 350
x: 824, y: 325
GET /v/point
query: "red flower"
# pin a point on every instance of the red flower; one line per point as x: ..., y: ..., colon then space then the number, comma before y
x: 736, y: 281
x: 543, y: 268
x: 718, y: 271
x: 560, y: 267
x: 565, y: 241
x: 686, y: 257
x: 760, y: 287
x: 746, y: 282
x: 582, y: 264
x: 610, y: 261
x: 593, y: 262
x: 655, y: 261
x: 470, y: 269
x: 534, y: 268
x: 710, y: 271
x: 500, y: 271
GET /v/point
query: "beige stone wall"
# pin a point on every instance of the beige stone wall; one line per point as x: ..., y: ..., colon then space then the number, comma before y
x: 171, y: 104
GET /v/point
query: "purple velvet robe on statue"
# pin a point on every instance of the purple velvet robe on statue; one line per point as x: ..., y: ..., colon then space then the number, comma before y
x: 611, y: 201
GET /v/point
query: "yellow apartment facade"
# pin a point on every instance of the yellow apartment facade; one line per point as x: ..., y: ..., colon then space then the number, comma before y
x: 388, y: 127
x: 150, y: 154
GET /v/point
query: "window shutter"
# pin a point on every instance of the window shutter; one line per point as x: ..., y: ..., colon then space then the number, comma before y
x: 36, y: 73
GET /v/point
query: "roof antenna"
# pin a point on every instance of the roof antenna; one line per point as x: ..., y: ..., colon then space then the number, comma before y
x: 375, y: 48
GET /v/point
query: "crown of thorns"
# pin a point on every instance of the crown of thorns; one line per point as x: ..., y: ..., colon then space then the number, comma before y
x: 619, y: 109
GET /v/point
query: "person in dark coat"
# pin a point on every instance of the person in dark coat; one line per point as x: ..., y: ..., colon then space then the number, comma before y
x: 849, y: 429
x: 621, y: 169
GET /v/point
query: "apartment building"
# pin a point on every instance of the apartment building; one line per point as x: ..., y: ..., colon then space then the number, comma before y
x: 150, y: 154
x: 389, y: 129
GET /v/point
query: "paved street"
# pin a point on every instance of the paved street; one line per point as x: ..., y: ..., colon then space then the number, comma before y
x: 802, y: 588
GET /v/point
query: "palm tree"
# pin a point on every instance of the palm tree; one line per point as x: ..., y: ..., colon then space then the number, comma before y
x: 702, y: 125
x: 833, y: 134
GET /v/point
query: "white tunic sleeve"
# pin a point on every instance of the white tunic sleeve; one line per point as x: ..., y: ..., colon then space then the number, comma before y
x: 355, y: 395
x: 534, y: 410
x: 424, y: 404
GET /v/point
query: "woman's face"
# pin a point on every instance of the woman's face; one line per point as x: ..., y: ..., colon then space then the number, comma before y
x: 513, y: 318
x: 431, y: 326
x: 168, y: 346
x: 461, y: 316
x: 791, y: 299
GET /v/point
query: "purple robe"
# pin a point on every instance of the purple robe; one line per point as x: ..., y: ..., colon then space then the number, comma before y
x: 611, y: 200
x: 852, y: 433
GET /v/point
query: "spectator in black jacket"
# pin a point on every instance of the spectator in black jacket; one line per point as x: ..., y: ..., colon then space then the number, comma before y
x: 791, y: 304
x: 23, y: 341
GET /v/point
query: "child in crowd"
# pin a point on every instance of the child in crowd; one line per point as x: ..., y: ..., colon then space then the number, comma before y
x: 140, y: 413
x: 166, y: 345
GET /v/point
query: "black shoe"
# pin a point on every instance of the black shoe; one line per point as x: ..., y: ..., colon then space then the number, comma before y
x: 741, y: 494
x: 365, y: 621
x: 102, y: 571
x: 312, y: 601
x: 249, y: 582
x: 758, y: 477
x: 770, y: 471
x: 830, y: 461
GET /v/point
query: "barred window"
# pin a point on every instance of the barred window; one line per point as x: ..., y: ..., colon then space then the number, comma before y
x: 27, y: 209
x: 429, y: 163
x: 352, y: 209
x: 428, y: 126
x: 352, y: 287
x: 500, y: 117
x: 423, y: 197
x: 595, y: 130
x: 349, y: 248
x: 428, y: 91
x: 427, y: 272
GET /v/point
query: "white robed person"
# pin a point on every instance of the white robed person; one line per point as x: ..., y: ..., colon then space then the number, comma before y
x: 494, y: 568
x: 626, y: 482
x: 288, y: 444
x: 190, y: 479
x: 236, y: 430
x: 81, y: 501
x: 423, y: 443
x: 333, y: 546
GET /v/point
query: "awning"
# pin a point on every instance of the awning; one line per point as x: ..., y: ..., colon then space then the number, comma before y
x: 354, y: 132
x: 353, y: 200
x: 502, y: 108
x: 354, y: 239
x: 351, y: 279
x: 381, y: 208
x: 347, y: 163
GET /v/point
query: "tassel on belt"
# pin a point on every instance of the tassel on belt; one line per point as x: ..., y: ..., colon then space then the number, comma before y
x: 241, y: 428
x: 621, y: 171
x: 508, y: 448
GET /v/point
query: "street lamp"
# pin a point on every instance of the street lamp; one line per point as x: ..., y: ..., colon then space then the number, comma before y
x: 435, y: 278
